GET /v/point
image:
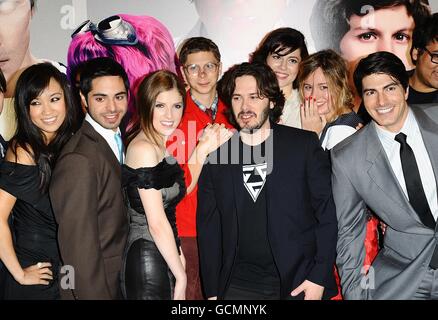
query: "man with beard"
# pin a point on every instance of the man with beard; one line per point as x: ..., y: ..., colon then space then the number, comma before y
x: 266, y: 219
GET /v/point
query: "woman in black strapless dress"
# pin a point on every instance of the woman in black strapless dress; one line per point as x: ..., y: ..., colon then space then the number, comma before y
x: 153, y: 266
x: 45, y: 113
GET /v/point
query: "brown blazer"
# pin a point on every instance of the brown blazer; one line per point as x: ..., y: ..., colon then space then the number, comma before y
x: 87, y: 201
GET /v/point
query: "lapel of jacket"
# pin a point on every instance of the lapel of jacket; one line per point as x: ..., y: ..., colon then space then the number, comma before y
x: 4, y: 147
x: 103, y: 146
x: 429, y: 132
x: 380, y: 172
x: 236, y: 175
x: 273, y: 152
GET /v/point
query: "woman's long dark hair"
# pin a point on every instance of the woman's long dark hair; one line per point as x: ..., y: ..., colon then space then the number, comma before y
x: 28, y: 136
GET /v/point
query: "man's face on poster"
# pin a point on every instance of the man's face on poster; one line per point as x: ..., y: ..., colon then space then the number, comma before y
x: 238, y: 13
x: 15, y: 16
x: 387, y: 29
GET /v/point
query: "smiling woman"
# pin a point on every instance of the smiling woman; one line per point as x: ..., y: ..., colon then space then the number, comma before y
x: 15, y: 55
x: 45, y: 121
x: 15, y: 36
x: 47, y: 111
x: 153, y: 264
x: 327, y: 100
x: 283, y: 49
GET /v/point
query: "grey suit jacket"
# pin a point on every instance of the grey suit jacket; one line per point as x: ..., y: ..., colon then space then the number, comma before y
x: 362, y: 175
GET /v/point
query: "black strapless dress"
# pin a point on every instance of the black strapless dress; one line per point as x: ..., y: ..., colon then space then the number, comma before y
x: 34, y: 229
x: 145, y: 274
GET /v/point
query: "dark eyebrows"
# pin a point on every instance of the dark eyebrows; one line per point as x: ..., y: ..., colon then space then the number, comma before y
x: 99, y: 95
x: 365, y: 29
x: 106, y: 95
x: 405, y: 30
x: 368, y: 90
x: 394, y: 83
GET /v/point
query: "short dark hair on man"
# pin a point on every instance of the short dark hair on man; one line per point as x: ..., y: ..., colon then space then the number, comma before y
x: 425, y: 34
x: 2, y: 82
x: 101, y: 67
x: 198, y: 44
x: 329, y: 19
x: 267, y: 85
x: 381, y: 63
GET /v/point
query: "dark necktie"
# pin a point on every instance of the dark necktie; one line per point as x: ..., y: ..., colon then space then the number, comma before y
x: 416, y: 194
x: 209, y: 112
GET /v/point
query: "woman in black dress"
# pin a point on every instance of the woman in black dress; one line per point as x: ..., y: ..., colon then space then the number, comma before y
x: 153, y: 267
x: 45, y: 115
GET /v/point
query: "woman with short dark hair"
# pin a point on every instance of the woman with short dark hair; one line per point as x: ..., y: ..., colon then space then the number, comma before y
x: 283, y: 49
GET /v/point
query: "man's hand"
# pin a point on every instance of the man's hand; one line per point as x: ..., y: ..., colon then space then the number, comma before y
x: 312, y: 291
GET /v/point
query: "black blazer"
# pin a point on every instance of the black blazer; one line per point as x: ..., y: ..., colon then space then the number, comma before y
x: 302, y: 226
x: 5, y: 147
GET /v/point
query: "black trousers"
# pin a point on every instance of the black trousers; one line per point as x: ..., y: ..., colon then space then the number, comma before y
x: 3, y: 272
x: 147, y: 276
x: 236, y: 292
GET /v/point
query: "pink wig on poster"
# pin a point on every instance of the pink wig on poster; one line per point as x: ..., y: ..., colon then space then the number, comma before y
x: 153, y: 51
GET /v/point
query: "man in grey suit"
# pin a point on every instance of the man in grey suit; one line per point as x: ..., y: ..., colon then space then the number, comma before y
x: 390, y: 166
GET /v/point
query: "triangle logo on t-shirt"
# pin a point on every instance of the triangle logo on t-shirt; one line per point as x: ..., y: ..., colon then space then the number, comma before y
x: 254, y: 178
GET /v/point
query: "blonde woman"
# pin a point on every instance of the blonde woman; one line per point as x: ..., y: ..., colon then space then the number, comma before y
x: 327, y: 107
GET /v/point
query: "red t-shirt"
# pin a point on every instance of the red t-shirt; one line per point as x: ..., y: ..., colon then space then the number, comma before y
x: 181, y: 145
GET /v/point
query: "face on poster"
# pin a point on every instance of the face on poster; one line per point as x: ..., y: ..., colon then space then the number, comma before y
x: 356, y: 29
x: 15, y: 17
x: 237, y: 26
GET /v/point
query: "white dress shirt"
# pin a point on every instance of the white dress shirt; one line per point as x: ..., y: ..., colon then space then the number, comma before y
x: 415, y: 141
x: 107, y: 134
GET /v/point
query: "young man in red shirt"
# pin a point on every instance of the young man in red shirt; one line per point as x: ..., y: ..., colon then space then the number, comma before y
x: 201, y: 67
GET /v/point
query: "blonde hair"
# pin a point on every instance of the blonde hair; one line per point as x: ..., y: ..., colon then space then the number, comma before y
x: 336, y: 74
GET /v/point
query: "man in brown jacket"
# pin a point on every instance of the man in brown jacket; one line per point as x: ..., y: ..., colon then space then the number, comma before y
x: 86, y: 189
